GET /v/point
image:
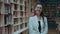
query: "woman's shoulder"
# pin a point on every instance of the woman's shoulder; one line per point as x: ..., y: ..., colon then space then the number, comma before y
x: 32, y: 17
x: 45, y: 17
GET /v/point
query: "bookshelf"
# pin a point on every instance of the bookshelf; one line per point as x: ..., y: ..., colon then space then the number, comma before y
x: 51, y: 11
x: 15, y: 20
x: 58, y: 10
x: 26, y: 24
x: 21, y: 13
x: 0, y: 20
x: 0, y: 8
x: 24, y: 32
x: 14, y: 16
x: 0, y: 30
x: 21, y: 1
x: 8, y: 29
x: 15, y: 28
x: 58, y: 17
x: 6, y: 1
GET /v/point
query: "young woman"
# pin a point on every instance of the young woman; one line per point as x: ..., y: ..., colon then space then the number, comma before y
x: 38, y: 23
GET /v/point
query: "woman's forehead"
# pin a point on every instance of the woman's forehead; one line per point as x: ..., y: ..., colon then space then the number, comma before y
x: 39, y: 5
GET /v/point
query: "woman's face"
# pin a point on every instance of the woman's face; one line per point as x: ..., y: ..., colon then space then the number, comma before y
x: 38, y: 9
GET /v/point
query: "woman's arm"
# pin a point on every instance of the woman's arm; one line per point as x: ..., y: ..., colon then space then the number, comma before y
x: 46, y: 26
x: 31, y: 29
x: 30, y: 26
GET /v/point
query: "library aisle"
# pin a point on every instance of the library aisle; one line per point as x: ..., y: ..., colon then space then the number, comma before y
x: 52, y: 31
x: 14, y: 15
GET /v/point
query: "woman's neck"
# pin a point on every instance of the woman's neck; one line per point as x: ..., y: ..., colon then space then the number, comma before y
x: 38, y: 16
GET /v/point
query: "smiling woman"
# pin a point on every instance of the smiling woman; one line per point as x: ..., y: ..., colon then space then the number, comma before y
x: 38, y: 23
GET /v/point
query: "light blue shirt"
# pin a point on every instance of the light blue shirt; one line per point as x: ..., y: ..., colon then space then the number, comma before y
x: 33, y: 25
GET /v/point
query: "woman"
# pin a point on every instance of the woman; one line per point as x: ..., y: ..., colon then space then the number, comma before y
x: 38, y: 23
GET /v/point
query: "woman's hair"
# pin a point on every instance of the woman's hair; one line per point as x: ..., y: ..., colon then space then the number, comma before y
x: 42, y: 14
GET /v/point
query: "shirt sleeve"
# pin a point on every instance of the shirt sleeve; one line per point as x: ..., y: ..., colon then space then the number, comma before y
x: 46, y: 26
x: 31, y: 31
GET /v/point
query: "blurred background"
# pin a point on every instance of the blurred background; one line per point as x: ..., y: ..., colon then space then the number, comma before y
x: 14, y: 15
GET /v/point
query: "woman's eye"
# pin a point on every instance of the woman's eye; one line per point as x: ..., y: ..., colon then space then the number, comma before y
x: 39, y: 7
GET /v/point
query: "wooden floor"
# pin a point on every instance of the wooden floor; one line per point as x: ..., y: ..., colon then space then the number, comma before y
x: 52, y: 31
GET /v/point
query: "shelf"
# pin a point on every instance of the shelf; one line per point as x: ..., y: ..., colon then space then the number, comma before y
x: 11, y: 1
x: 0, y: 7
x: 21, y: 26
x: 26, y: 24
x: 7, y: 9
x: 26, y: 19
x: 7, y: 20
x: 21, y: 1
x: 21, y: 7
x: 7, y: 1
x: 16, y: 21
x: 1, y: 30
x: 8, y: 29
x: 1, y: 0
x: 13, y: 19
x: 15, y: 7
x: 21, y: 30
x: 15, y: 1
x: 50, y: 11
x: 16, y: 24
x: 16, y: 28
x: 15, y: 13
x: 0, y: 20
x: 21, y: 20
x: 24, y: 32
x: 58, y: 11
x: 21, y: 13
x: 17, y: 10
x: 16, y: 17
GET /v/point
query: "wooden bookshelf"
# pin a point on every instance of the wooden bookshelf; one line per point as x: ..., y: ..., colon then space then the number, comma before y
x: 21, y: 13
x: 8, y: 29
x: 0, y: 20
x: 0, y: 8
x: 6, y: 1
x: 21, y: 26
x: 50, y: 11
x: 21, y: 20
x: 21, y: 1
x: 14, y: 16
x: 15, y: 20
x: 15, y: 28
x: 24, y: 32
x: 0, y: 30
x: 26, y: 24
